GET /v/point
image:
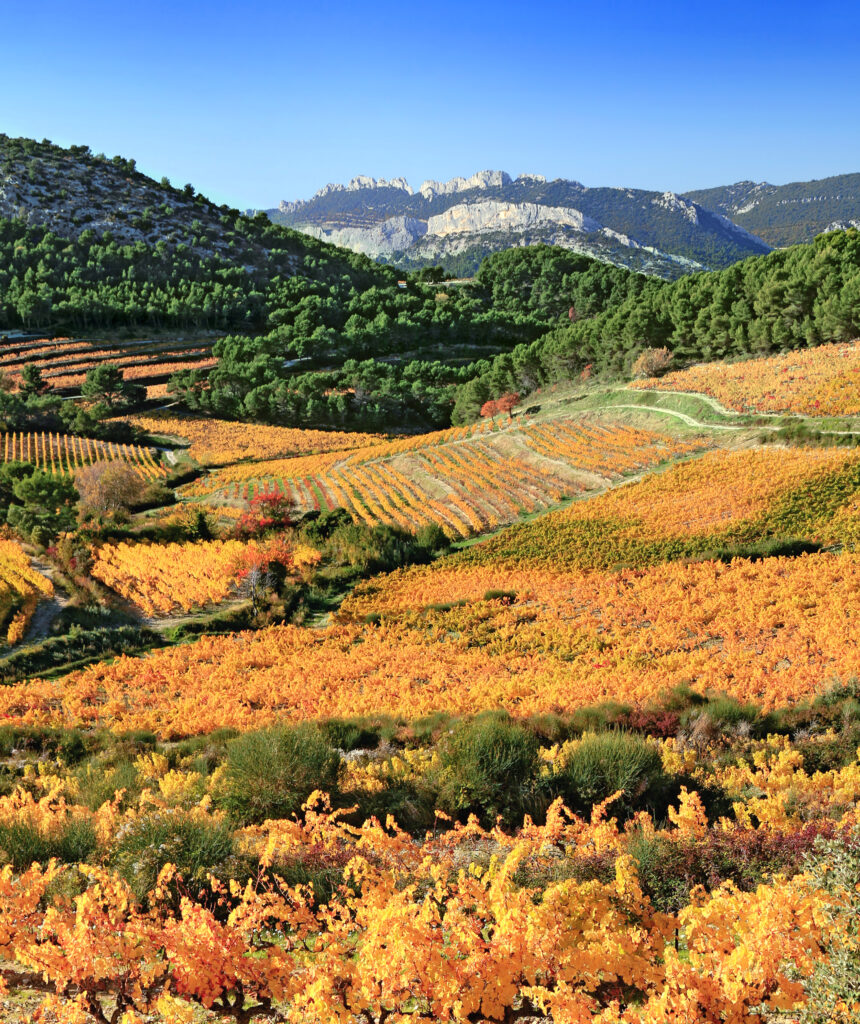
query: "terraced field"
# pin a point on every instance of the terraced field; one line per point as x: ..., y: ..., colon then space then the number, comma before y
x: 64, y: 362
x: 822, y: 381
x: 65, y: 453
x: 467, y: 480
x: 21, y: 589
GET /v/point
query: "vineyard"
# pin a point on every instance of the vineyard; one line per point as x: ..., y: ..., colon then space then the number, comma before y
x: 823, y: 381
x: 721, y: 500
x: 766, y: 632
x: 566, y: 918
x: 466, y: 480
x: 65, y: 453
x: 162, y: 579
x: 64, y: 362
x: 21, y: 589
x: 216, y: 442
x: 551, y: 716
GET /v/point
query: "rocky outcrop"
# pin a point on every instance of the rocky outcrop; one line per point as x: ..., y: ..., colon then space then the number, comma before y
x: 483, y: 179
x: 392, y: 235
x: 490, y: 211
x: 491, y: 215
x: 361, y: 181
x: 675, y: 203
x: 356, y: 184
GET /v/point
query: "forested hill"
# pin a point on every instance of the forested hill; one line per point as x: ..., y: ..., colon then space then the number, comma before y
x: 312, y: 335
x: 89, y: 242
x: 787, y: 214
x: 801, y: 296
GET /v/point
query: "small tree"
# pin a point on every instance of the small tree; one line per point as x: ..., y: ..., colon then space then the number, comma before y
x: 46, y: 506
x: 489, y: 409
x: 262, y: 569
x: 269, y: 510
x: 32, y: 381
x: 106, y: 385
x: 507, y: 402
x: 109, y: 487
x: 652, y: 362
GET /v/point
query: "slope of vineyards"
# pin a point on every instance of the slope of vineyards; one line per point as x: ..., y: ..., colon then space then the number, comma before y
x: 466, y: 480
x: 623, y: 595
x: 64, y: 362
x: 688, y: 622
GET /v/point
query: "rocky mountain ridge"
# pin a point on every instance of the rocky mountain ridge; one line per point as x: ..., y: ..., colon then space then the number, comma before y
x: 459, y: 221
x: 787, y: 214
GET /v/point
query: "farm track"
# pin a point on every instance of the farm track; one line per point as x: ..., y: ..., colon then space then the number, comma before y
x: 715, y: 405
x: 47, y: 610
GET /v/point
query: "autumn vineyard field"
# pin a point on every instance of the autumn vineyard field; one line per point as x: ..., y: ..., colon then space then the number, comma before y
x: 823, y: 381
x: 64, y: 362
x: 552, y: 717
x: 466, y: 481
x: 21, y: 589
x: 66, y: 453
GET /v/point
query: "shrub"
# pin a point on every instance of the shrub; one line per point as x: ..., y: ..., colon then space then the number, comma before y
x: 651, y: 362
x: 194, y: 843
x: 604, y: 763
x: 109, y: 487
x: 23, y: 842
x: 832, y: 988
x: 270, y: 773
x: 351, y: 734
x: 99, y: 783
x: 725, y: 714
x: 489, y: 767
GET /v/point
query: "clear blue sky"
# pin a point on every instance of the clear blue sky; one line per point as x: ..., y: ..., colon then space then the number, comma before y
x: 263, y: 101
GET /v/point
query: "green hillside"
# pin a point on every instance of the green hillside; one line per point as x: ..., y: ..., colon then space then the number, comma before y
x: 793, y: 298
x: 787, y: 214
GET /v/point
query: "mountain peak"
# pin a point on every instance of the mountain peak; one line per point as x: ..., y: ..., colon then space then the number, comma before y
x: 483, y: 179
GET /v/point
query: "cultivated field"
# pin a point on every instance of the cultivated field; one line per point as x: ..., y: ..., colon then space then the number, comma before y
x: 64, y: 361
x: 466, y: 480
x: 21, y: 589
x: 65, y: 453
x: 823, y: 381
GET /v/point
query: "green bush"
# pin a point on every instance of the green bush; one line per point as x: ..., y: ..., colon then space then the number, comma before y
x: 489, y: 768
x: 604, y: 763
x: 270, y: 773
x: 355, y: 734
x: 21, y: 843
x: 835, y: 866
x: 98, y: 783
x: 596, y: 718
x: 726, y: 713
x: 193, y: 844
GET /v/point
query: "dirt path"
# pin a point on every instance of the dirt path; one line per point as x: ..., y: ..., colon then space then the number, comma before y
x: 707, y: 399
x: 685, y: 418
x: 47, y: 610
x: 724, y: 426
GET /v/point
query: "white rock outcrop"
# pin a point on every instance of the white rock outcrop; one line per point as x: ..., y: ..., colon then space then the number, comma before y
x: 483, y: 179
x: 392, y: 235
x: 361, y: 181
x: 492, y: 215
x: 677, y: 204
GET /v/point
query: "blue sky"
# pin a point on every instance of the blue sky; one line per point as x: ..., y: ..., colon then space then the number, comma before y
x: 263, y: 101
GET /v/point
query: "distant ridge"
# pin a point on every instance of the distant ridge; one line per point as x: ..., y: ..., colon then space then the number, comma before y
x: 787, y: 214
x: 458, y: 222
